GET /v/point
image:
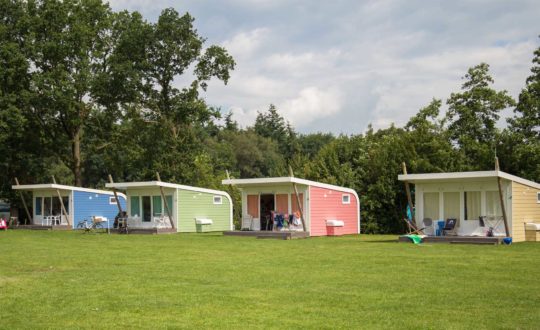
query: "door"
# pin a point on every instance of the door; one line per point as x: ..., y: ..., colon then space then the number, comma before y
x: 147, y: 208
x: 267, y: 206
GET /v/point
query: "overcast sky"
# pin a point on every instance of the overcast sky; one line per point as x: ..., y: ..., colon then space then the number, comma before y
x: 336, y: 66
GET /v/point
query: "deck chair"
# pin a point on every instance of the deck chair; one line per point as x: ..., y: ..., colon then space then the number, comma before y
x: 412, y: 228
x: 450, y: 227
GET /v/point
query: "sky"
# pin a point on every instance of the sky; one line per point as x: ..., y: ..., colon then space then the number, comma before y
x: 337, y: 66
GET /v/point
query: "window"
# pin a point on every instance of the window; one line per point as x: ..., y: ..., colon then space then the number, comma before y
x: 112, y: 200
x: 65, y: 200
x: 38, y: 205
x: 157, y: 208
x: 472, y: 205
x: 47, y: 206
x: 431, y: 205
x: 168, y: 198
x: 218, y: 200
x: 135, y: 205
x: 452, y: 206
x: 538, y: 197
x: 346, y: 199
x: 493, y: 204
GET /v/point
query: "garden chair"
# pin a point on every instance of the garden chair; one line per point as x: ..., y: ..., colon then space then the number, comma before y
x: 428, y: 223
x: 247, y: 222
x: 412, y: 228
x: 450, y: 227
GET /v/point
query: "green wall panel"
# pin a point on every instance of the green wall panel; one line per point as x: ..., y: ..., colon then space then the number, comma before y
x: 192, y: 204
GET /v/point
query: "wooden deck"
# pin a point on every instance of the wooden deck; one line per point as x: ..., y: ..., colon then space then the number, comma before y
x: 284, y: 235
x: 457, y: 240
x: 40, y: 227
x: 148, y: 231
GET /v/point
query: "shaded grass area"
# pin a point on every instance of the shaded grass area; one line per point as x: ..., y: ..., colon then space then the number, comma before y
x: 76, y: 280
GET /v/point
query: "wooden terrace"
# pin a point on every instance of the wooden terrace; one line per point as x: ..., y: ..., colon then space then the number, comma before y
x: 264, y: 234
x: 480, y: 240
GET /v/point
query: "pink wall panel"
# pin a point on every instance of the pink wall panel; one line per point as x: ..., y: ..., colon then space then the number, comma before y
x: 325, y: 205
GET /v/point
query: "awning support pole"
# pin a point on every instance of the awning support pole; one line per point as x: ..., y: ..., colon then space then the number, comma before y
x: 61, y: 204
x: 116, y: 196
x: 24, y: 202
x: 291, y: 174
x: 409, y: 198
x: 165, y: 202
x: 503, y: 209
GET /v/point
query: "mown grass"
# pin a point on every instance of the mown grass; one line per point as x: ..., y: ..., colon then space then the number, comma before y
x: 76, y: 280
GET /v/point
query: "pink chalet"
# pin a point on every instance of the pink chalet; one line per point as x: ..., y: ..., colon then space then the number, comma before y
x: 327, y: 209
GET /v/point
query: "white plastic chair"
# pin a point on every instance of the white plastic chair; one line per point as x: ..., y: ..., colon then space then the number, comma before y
x: 247, y: 221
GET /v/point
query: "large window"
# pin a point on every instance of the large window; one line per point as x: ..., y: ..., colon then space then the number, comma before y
x: 47, y: 206
x: 157, y: 208
x: 135, y: 206
x: 169, y: 203
x: 472, y: 205
x: 493, y: 204
x: 38, y: 205
x: 431, y: 205
x: 452, y: 206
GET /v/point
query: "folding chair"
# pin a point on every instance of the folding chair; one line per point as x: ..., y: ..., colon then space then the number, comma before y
x: 450, y: 226
x: 412, y: 228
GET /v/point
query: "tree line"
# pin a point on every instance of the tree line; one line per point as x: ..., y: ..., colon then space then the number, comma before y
x: 86, y: 91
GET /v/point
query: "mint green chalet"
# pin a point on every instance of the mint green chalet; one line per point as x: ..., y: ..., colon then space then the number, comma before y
x: 190, y: 209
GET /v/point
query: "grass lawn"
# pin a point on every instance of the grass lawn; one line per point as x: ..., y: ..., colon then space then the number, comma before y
x: 76, y: 280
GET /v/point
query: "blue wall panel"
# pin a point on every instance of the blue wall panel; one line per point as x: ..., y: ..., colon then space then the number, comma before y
x: 87, y: 204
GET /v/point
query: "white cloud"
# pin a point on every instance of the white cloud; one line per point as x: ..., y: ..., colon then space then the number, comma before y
x: 340, y: 65
x: 311, y: 103
x: 246, y: 43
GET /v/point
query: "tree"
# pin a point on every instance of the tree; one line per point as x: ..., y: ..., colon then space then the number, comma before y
x: 433, y: 150
x: 473, y: 114
x: 69, y: 48
x: 21, y: 142
x: 520, y: 144
x: 174, y: 115
x: 270, y: 124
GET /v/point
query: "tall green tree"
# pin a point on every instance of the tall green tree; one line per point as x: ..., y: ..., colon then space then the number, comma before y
x: 174, y: 114
x: 521, y: 141
x: 472, y: 116
x: 433, y: 150
x: 68, y: 49
x: 270, y: 124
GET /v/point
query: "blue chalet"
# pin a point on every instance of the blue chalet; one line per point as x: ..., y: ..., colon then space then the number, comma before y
x: 66, y: 206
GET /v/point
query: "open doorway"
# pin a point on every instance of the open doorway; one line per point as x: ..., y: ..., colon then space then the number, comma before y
x: 267, y: 206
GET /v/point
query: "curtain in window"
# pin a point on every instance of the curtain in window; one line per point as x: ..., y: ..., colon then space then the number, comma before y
x: 135, y: 206
x: 431, y: 205
x: 452, y: 205
x: 493, y: 204
x: 472, y: 205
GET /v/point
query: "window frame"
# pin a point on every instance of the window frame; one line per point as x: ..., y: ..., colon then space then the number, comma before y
x: 348, y: 199
x: 218, y: 197
x: 538, y: 197
x: 112, y: 200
